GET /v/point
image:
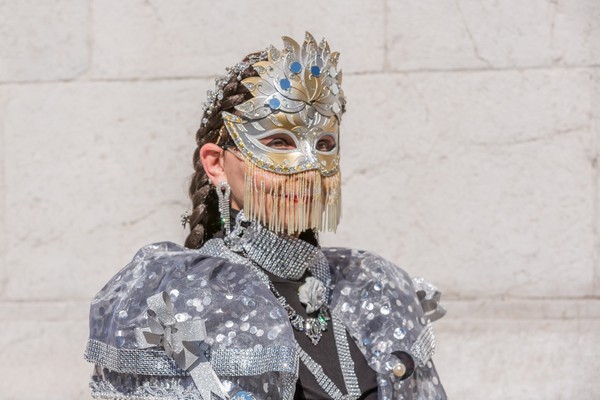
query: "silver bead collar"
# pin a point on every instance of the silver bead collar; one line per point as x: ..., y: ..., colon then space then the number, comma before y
x: 284, y: 256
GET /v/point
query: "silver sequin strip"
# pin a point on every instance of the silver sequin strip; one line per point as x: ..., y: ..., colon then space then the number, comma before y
x: 143, y: 362
x: 149, y: 389
x: 322, y: 380
x: 346, y: 364
x: 235, y: 362
x: 346, y: 361
x: 217, y: 248
x: 424, y: 347
x: 289, y: 384
x: 225, y: 362
x: 322, y: 272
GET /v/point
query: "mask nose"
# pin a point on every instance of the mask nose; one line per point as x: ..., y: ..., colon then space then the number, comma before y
x: 309, y: 151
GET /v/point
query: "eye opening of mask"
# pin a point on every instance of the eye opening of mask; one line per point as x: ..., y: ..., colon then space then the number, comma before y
x: 279, y: 141
x: 326, y: 143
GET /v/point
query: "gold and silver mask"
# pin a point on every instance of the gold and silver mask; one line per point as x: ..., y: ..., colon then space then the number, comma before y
x: 297, y: 96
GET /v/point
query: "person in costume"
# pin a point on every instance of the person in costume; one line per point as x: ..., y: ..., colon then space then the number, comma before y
x: 252, y: 307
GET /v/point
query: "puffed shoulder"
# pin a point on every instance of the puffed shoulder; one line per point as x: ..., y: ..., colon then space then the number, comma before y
x: 217, y: 301
x: 381, y: 304
x: 228, y: 297
x: 382, y: 308
x: 350, y: 264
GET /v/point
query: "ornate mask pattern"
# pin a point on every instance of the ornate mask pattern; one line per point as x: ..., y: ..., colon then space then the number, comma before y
x: 297, y: 95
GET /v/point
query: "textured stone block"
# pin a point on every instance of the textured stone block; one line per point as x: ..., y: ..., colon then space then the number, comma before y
x: 550, y: 308
x: 43, y: 40
x: 596, y: 156
x: 518, y: 359
x: 42, y: 356
x: 93, y: 172
x: 2, y: 195
x: 492, y: 34
x: 201, y: 38
x: 486, y: 183
x: 481, y: 182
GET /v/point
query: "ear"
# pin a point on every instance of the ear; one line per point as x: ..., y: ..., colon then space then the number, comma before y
x: 211, y: 157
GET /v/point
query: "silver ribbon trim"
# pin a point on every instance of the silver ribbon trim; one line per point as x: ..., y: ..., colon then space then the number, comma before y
x: 429, y: 296
x: 182, y: 341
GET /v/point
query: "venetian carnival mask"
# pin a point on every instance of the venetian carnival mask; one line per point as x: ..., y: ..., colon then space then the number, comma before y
x: 297, y: 95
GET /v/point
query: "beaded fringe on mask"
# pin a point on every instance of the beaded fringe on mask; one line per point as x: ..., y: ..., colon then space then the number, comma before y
x: 301, y: 201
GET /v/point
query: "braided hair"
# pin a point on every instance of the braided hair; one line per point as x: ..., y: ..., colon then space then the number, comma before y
x: 204, y: 220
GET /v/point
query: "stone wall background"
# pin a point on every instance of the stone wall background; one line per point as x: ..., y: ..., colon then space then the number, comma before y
x: 470, y: 154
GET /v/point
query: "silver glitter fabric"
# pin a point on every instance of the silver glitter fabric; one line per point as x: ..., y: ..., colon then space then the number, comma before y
x: 377, y: 303
x: 249, y: 342
x: 247, y: 332
x: 132, y: 361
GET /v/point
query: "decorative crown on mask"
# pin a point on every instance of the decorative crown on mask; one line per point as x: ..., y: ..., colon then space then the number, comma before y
x: 301, y: 80
x: 297, y: 95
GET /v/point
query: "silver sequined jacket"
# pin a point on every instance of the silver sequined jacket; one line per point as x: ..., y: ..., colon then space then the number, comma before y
x: 247, y: 339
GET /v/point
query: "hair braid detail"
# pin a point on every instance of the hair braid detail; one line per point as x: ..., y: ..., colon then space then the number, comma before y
x: 204, y: 221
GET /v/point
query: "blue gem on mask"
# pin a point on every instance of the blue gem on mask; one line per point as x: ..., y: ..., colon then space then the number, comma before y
x: 315, y: 70
x: 285, y: 84
x: 296, y: 67
x: 274, y: 103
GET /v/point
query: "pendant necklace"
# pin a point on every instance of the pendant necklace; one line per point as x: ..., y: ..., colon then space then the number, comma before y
x: 312, y: 327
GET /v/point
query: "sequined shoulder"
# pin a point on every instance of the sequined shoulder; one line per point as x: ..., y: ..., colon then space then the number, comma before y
x: 349, y: 263
x: 247, y: 330
x: 379, y: 303
x: 382, y: 310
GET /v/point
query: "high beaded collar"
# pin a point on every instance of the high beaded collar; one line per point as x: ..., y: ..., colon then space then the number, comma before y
x: 284, y: 256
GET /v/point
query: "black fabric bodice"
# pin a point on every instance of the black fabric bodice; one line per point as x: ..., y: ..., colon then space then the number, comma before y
x: 325, y: 353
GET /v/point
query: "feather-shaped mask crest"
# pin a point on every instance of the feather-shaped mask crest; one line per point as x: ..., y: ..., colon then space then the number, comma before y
x: 298, y: 79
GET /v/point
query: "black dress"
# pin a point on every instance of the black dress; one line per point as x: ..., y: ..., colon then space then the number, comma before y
x: 324, y: 353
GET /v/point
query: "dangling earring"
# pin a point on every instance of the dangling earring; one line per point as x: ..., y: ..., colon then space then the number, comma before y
x: 223, y: 192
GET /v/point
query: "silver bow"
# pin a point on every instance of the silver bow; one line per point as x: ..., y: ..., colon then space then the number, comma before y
x: 182, y: 342
x: 429, y: 296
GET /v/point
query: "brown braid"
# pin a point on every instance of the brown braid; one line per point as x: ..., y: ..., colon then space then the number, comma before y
x: 204, y: 221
